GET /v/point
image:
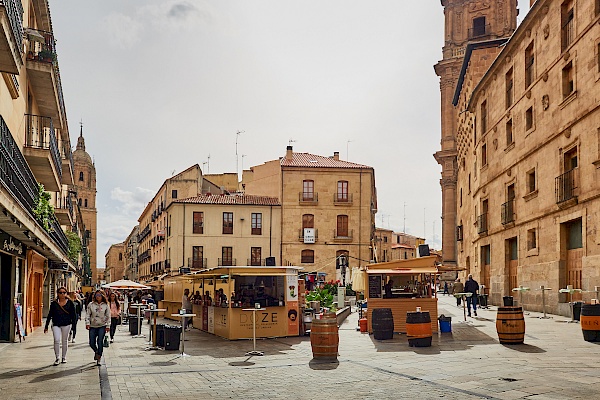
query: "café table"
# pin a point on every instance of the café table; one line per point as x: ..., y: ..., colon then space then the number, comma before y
x: 183, y: 316
x: 254, y: 352
x: 139, y: 306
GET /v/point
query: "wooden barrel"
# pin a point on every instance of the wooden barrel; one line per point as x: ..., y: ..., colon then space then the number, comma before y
x: 382, y: 321
x: 324, y: 338
x: 590, y: 322
x: 510, y: 325
x: 418, y: 329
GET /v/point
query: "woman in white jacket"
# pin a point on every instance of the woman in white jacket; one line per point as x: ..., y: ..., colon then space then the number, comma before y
x: 97, y: 321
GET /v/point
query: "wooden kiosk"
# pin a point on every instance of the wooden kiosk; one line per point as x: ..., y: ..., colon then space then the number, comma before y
x: 412, y: 285
x: 274, y: 289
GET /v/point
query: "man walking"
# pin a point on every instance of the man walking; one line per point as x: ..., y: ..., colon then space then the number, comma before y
x: 471, y: 286
x: 458, y: 287
x: 186, y: 305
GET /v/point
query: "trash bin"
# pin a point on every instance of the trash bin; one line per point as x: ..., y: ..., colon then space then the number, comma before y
x: 445, y: 323
x: 160, y: 335
x: 172, y: 337
x: 577, y: 310
x: 133, y: 324
x: 508, y: 301
x: 483, y: 300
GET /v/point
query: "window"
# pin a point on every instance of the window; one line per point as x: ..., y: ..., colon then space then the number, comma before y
x: 484, y: 117
x: 307, y: 257
x: 574, y: 234
x: 308, y: 190
x: 509, y: 133
x: 531, y: 239
x: 598, y: 56
x: 308, y: 221
x: 529, y: 62
x: 483, y: 155
x: 342, y: 226
x: 120, y: 256
x: 461, y: 197
x: 81, y: 176
x: 227, y: 256
x: 566, y: 23
x: 197, y: 257
x: 531, y: 184
x: 529, y: 119
x: 478, y: 27
x: 255, y: 256
x: 174, y: 194
x: 85, y: 203
x: 256, y: 223
x: 342, y: 191
x: 198, y: 222
x: 385, y: 239
x: 509, y: 88
x: 227, y: 223
x: 79, y: 202
x: 567, y: 80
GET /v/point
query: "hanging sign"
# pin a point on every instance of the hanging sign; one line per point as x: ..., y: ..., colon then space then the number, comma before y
x: 11, y: 245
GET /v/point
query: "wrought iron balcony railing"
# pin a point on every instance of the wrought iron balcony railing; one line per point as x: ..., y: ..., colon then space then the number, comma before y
x: 345, y: 234
x: 508, y: 212
x: 39, y: 134
x: 482, y: 223
x: 256, y: 262
x: 565, y: 185
x: 308, y: 197
x: 479, y: 31
x: 226, y: 262
x: 197, y: 263
x: 345, y: 198
x: 14, y: 10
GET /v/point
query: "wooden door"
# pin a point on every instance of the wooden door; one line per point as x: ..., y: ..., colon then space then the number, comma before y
x: 574, y: 270
x: 486, y: 268
x: 512, y: 261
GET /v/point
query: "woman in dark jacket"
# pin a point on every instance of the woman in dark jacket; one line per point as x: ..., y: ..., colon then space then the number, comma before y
x: 63, y: 316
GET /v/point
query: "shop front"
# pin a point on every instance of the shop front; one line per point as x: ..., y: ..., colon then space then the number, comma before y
x: 402, y: 286
x: 226, y: 297
x: 12, y: 262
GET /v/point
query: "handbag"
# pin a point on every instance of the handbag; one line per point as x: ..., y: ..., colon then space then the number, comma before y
x: 105, y: 343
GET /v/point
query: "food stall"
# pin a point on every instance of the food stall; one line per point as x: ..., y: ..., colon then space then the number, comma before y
x: 402, y: 286
x: 227, y: 293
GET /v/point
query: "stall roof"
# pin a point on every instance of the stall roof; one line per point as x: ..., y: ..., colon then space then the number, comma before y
x: 403, y: 271
x: 244, y: 270
x: 420, y: 262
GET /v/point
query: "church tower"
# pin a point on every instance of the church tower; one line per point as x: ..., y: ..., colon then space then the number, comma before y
x: 85, y: 187
x: 466, y: 21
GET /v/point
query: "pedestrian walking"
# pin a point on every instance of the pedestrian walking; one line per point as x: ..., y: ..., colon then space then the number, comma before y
x: 97, y: 321
x: 186, y: 306
x: 115, y: 314
x: 446, y: 288
x: 471, y: 287
x: 459, y: 287
x: 62, y: 315
x: 78, y: 309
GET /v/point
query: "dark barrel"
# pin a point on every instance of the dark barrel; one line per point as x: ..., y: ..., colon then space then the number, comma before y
x: 324, y: 337
x: 590, y: 322
x: 418, y: 329
x: 383, y: 323
x: 510, y: 325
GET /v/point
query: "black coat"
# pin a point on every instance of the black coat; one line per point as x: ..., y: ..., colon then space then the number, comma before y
x: 61, y: 316
x: 471, y: 286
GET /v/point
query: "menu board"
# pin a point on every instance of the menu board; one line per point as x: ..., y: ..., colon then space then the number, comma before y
x: 374, y: 286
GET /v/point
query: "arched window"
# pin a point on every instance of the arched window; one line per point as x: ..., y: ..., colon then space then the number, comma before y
x: 81, y: 176
x: 307, y: 257
x: 79, y: 202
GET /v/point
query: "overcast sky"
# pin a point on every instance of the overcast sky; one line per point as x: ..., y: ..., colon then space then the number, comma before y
x: 162, y: 84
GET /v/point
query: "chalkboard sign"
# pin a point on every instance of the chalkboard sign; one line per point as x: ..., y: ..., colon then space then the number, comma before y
x: 374, y: 286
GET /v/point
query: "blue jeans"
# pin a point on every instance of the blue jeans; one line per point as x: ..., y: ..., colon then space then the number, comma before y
x: 472, y: 300
x: 97, y: 339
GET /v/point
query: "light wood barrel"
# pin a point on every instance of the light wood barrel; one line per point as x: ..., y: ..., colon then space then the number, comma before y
x: 324, y: 337
x: 510, y: 325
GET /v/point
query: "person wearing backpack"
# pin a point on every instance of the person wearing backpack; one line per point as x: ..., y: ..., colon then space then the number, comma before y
x: 63, y: 316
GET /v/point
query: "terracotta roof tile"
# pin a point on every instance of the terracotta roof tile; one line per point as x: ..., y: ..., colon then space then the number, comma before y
x: 234, y: 199
x: 315, y: 161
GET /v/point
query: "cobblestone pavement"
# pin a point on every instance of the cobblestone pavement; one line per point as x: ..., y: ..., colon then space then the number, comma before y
x: 554, y: 363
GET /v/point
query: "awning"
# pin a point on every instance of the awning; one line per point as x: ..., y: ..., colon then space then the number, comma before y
x: 403, y: 271
x: 262, y: 274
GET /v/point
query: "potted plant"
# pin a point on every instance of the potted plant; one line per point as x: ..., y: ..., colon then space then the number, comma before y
x: 42, y: 209
x: 46, y: 55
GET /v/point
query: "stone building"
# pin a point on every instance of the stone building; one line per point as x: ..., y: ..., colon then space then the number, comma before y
x: 328, y: 209
x: 131, y: 254
x: 383, y: 245
x: 527, y: 155
x: 35, y: 148
x: 392, y: 245
x: 115, y: 260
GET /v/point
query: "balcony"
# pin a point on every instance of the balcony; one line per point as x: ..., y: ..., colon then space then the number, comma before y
x: 340, y: 199
x: 482, y: 224
x: 11, y: 36
x: 44, y: 75
x: 565, y: 186
x: 256, y: 262
x: 197, y: 263
x: 343, y: 235
x: 308, y: 198
x: 301, y: 235
x: 226, y: 262
x: 508, y: 212
x: 41, y: 152
x: 479, y: 31
x: 64, y: 209
x: 67, y: 163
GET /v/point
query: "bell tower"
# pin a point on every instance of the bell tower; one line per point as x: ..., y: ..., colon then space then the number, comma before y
x: 466, y: 21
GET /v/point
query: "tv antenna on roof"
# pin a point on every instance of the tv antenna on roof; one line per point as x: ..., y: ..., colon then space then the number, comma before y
x: 291, y: 141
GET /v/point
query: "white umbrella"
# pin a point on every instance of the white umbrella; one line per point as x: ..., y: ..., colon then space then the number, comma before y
x: 358, y: 280
x: 125, y: 284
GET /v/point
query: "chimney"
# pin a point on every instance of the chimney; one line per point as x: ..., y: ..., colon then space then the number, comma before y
x: 289, y: 153
x: 336, y: 155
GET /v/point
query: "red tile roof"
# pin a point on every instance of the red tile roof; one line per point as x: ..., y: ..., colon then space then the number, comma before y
x: 235, y: 199
x: 315, y: 161
x: 402, y: 246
